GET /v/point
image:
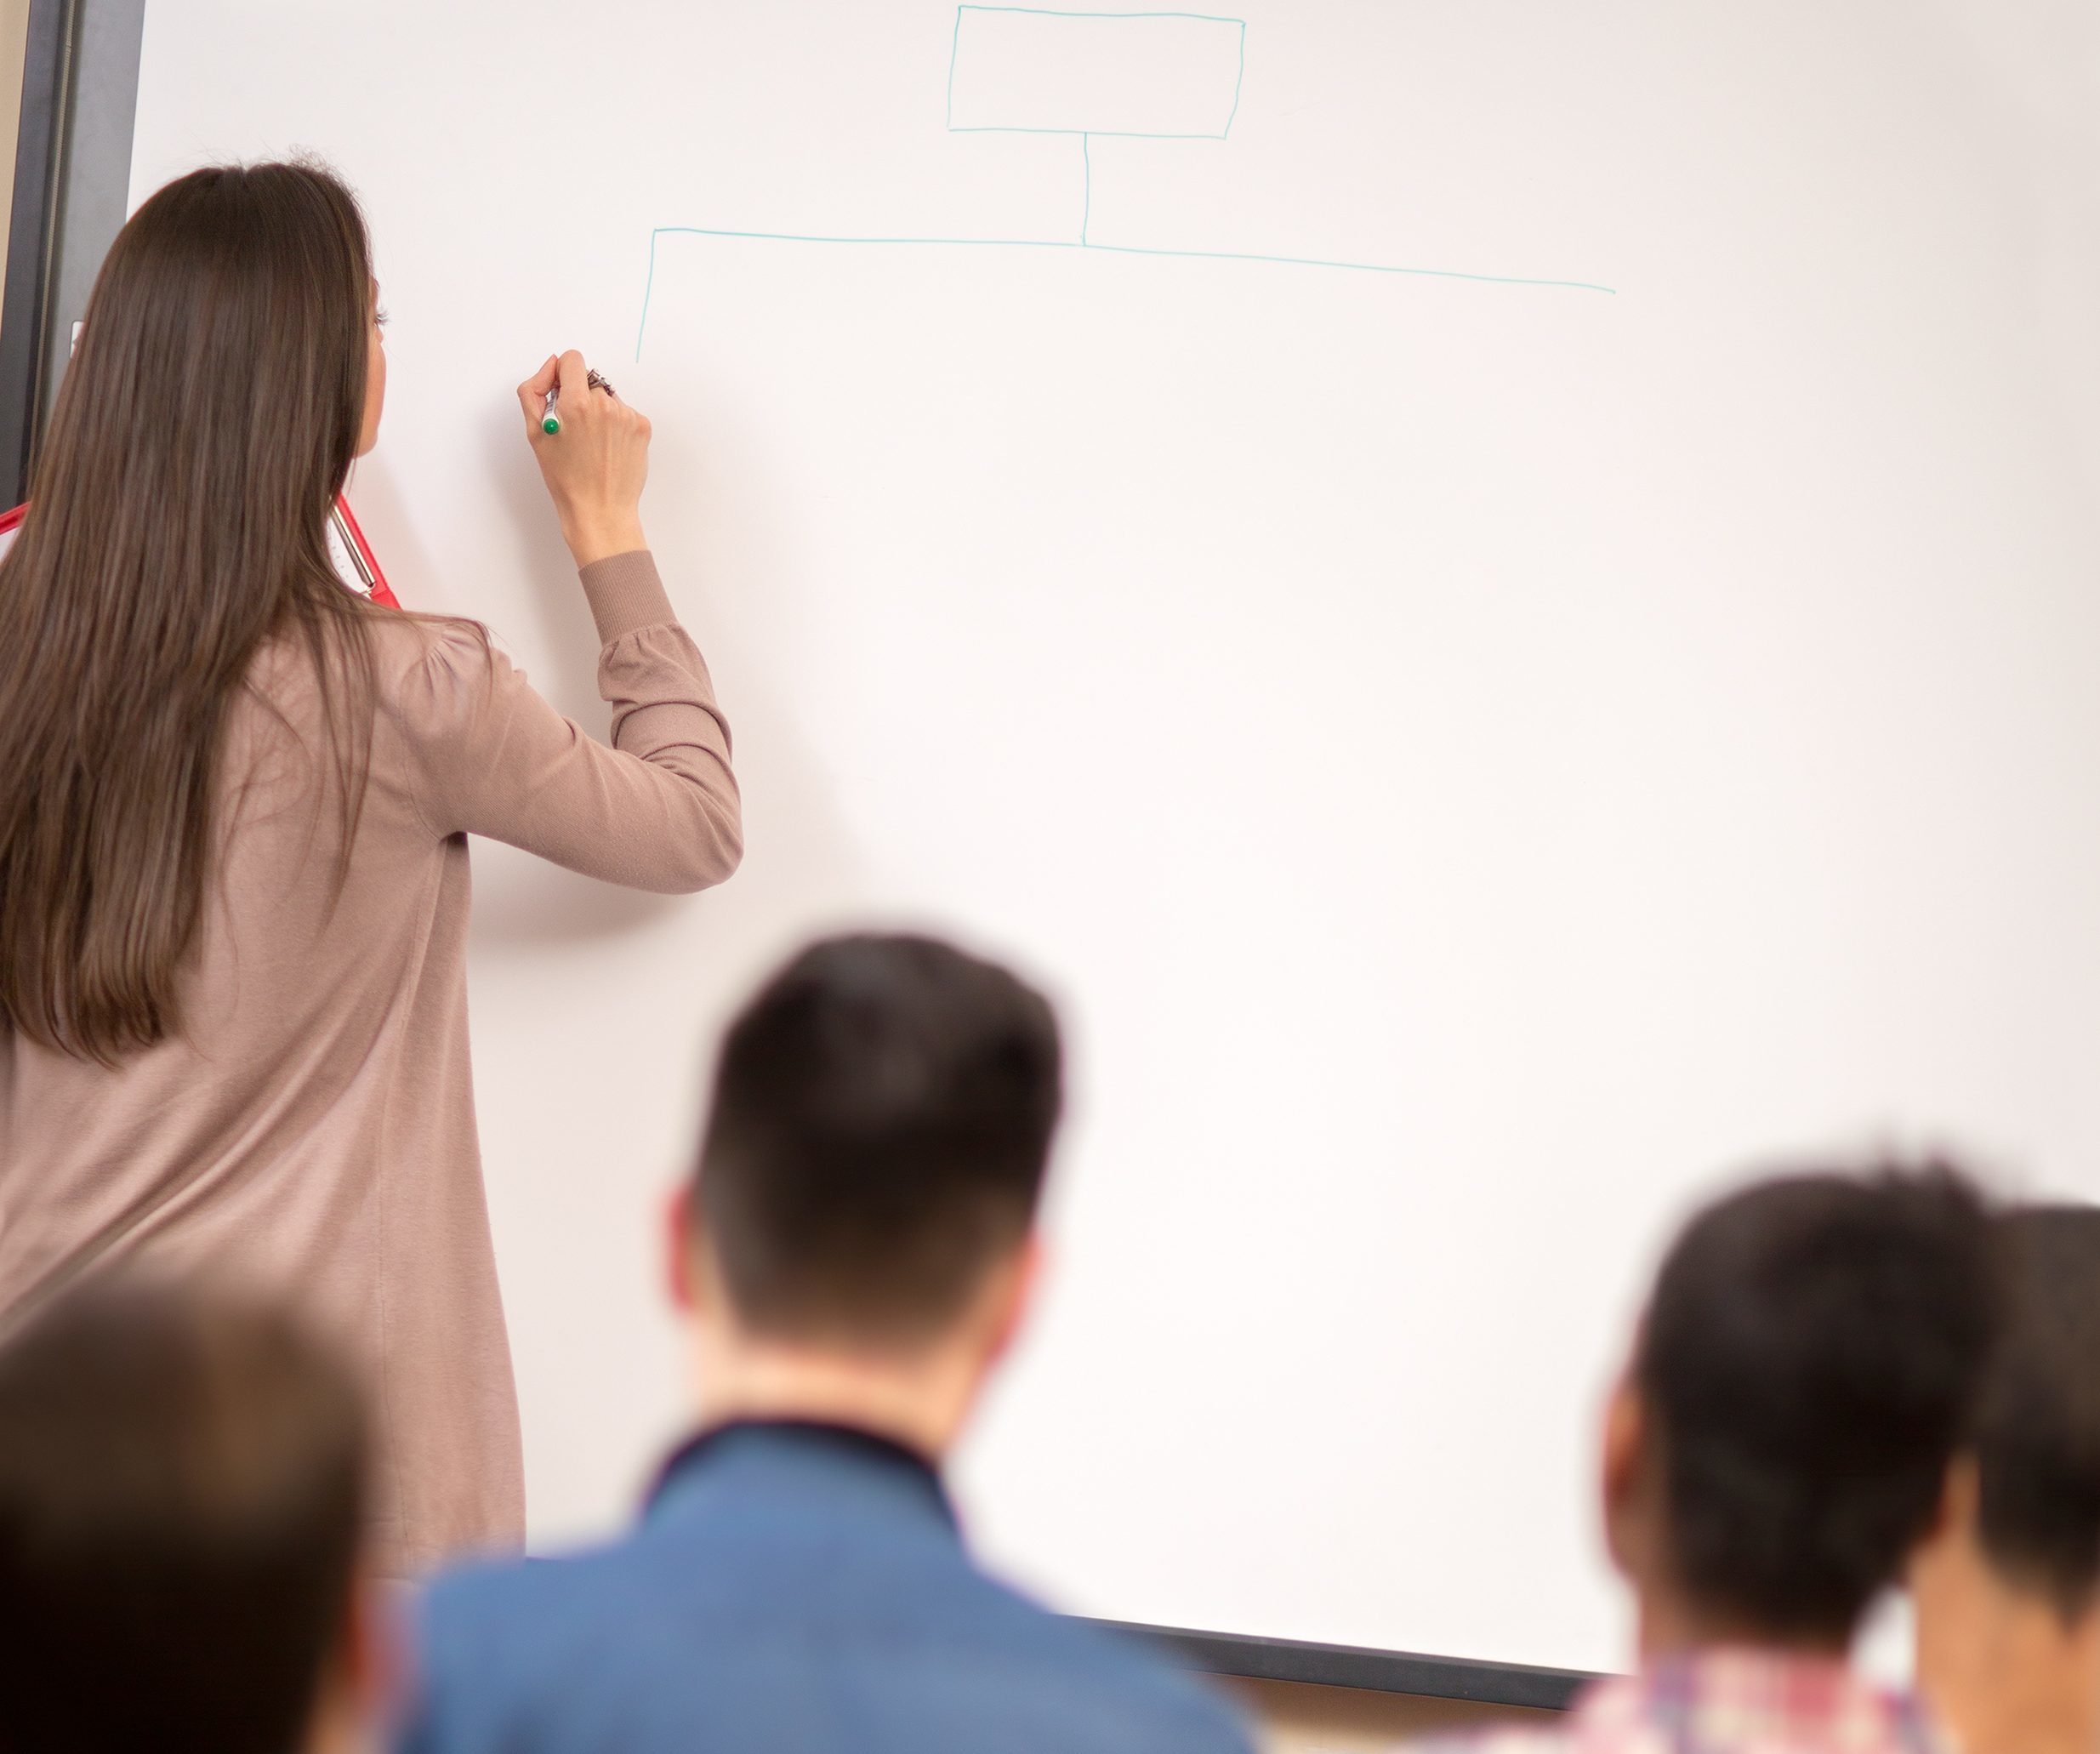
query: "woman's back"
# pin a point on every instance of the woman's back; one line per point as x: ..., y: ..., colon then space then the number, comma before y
x: 309, y: 1125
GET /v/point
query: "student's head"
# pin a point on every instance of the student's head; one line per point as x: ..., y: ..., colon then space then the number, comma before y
x: 2019, y: 1553
x: 1809, y: 1355
x: 180, y: 1491
x: 865, y: 1200
x: 227, y: 374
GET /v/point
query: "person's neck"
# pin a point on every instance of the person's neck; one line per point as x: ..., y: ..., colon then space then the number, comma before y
x: 340, y: 1725
x: 2014, y: 1677
x: 1672, y: 1625
x: 920, y: 1402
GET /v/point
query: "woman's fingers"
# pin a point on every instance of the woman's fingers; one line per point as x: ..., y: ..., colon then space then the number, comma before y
x: 595, y: 466
x: 532, y: 396
x: 575, y: 378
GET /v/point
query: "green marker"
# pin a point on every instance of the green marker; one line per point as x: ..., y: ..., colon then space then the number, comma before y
x: 550, y: 422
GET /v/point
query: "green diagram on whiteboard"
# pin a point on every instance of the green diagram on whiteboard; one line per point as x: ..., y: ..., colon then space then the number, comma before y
x: 1083, y: 77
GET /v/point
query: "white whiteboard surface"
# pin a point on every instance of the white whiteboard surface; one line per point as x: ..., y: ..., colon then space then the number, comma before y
x: 1475, y: 760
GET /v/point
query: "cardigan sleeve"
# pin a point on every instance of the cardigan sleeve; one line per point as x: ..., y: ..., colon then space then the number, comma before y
x: 658, y: 810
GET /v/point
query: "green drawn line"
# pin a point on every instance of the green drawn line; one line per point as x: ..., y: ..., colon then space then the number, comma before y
x: 1207, y: 18
x: 1232, y: 115
x: 1499, y: 280
x: 1105, y: 134
x: 1119, y: 249
x: 954, y: 52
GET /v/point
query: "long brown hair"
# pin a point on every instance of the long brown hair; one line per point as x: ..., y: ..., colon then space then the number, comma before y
x: 177, y: 519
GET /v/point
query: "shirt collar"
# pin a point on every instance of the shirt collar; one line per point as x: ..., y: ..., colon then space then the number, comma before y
x: 1741, y: 1699
x: 847, y: 1443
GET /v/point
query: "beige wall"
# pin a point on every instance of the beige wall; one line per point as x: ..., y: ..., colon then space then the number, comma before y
x: 13, y: 37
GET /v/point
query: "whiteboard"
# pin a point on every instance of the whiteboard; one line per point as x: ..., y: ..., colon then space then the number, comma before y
x: 1508, y: 615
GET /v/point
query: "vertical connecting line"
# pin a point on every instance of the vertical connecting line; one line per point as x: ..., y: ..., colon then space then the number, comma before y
x: 1086, y: 158
x: 648, y: 291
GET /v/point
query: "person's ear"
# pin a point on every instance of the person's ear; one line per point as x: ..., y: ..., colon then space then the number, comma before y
x: 1960, y: 1503
x: 1623, y: 1474
x: 1015, y: 1287
x: 679, y: 1246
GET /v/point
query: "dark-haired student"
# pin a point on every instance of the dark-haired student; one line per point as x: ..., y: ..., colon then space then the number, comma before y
x: 856, y: 1254
x: 2008, y: 1591
x: 181, y: 1489
x: 1779, y: 1447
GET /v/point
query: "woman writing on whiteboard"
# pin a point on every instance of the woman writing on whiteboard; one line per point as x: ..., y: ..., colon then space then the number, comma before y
x: 234, y: 799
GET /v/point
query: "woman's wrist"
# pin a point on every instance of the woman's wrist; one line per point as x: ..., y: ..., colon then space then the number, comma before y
x: 598, y: 538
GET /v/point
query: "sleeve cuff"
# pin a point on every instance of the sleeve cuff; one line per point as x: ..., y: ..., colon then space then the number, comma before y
x: 626, y: 595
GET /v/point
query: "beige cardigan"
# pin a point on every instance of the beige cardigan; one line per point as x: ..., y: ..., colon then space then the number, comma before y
x: 312, y: 1129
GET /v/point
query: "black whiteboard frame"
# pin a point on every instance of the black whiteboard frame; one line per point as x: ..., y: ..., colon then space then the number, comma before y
x: 1293, y: 1660
x: 72, y: 188
x: 32, y: 237
x: 72, y: 181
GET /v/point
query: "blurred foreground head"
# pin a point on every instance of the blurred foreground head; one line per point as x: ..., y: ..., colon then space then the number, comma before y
x: 181, y: 1489
x: 859, y: 1241
x: 1812, y: 1355
x: 2008, y: 1591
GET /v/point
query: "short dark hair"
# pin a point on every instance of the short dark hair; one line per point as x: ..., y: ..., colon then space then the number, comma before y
x: 1811, y: 1356
x: 180, y: 1497
x: 2037, y: 1439
x: 881, y: 1121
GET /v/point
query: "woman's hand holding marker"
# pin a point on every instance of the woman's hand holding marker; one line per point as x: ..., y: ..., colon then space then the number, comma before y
x: 594, y: 456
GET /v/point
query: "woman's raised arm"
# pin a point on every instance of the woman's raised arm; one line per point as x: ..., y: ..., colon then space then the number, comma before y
x: 659, y: 809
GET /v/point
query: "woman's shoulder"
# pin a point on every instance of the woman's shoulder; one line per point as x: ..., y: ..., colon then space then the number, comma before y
x: 431, y: 669
x: 435, y: 685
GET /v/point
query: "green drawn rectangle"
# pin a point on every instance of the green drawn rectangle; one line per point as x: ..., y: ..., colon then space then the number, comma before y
x: 1031, y: 69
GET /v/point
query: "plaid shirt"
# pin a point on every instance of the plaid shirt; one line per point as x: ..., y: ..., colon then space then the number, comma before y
x: 1729, y: 1702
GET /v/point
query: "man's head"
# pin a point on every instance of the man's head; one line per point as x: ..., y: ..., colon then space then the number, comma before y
x: 2016, y: 1568
x: 869, y: 1179
x: 180, y: 1495
x: 1809, y: 1359
x: 2036, y: 1445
